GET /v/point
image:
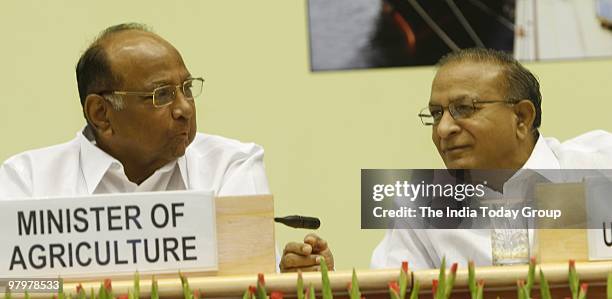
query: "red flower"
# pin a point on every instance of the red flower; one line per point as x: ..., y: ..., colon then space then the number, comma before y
x: 123, y: 296
x: 79, y: 288
x: 252, y: 290
x: 394, y: 286
x: 584, y: 286
x: 481, y: 283
x: 107, y: 284
x: 276, y: 295
x: 453, y: 268
x: 260, y: 279
x: 572, y: 264
x: 434, y: 286
x: 405, y: 266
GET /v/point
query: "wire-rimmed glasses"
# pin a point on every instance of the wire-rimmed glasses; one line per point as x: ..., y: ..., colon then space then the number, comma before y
x: 431, y: 115
x: 165, y: 95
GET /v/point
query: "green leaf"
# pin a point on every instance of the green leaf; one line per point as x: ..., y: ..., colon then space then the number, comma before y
x: 530, y: 277
x: 312, y: 294
x: 130, y: 294
x: 574, y: 282
x: 261, y: 287
x: 544, y: 288
x: 472, y: 280
x: 7, y: 294
x: 609, y: 286
x: 450, y: 281
x: 102, y: 292
x: 441, y: 280
x: 393, y: 293
x: 414, y: 294
x: 187, y: 293
x: 583, y: 291
x: 246, y: 295
x: 81, y: 292
x: 520, y: 289
x: 403, y: 280
x: 154, y: 290
x: 300, y: 286
x: 479, y: 291
x: 355, y: 293
x: 27, y: 295
x: 326, y: 291
x: 136, y: 285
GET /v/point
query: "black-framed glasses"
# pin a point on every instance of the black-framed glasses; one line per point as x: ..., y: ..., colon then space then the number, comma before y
x: 165, y: 95
x: 431, y: 116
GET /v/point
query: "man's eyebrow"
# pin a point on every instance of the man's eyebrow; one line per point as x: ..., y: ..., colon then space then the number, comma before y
x: 453, y: 99
x: 163, y: 82
x: 157, y: 83
x: 462, y: 97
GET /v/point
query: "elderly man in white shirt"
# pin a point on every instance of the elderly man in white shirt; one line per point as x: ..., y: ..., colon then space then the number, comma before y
x: 485, y: 113
x: 138, y: 100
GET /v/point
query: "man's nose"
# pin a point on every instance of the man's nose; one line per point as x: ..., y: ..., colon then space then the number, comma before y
x: 182, y: 107
x: 447, y: 126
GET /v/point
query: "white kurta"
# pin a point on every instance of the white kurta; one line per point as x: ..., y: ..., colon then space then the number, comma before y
x: 424, y: 249
x: 79, y: 167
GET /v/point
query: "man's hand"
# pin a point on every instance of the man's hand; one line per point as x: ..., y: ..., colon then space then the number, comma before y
x: 306, y: 256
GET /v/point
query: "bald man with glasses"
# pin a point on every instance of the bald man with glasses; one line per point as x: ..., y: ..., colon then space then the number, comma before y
x: 485, y: 113
x: 138, y: 99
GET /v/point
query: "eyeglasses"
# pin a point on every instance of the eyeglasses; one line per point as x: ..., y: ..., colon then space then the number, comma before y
x: 165, y: 95
x: 431, y: 116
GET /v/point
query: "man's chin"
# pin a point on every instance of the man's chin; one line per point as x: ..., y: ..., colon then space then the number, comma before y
x: 461, y: 164
x: 179, y: 148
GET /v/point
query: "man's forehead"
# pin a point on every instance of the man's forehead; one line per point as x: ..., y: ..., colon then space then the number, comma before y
x: 134, y: 42
x: 467, y: 80
x: 453, y: 99
x: 145, y: 57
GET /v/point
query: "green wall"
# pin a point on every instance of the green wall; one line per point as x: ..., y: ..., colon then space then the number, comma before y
x: 318, y: 129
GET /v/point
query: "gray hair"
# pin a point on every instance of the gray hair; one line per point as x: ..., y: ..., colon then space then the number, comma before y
x: 115, y: 100
x: 520, y: 82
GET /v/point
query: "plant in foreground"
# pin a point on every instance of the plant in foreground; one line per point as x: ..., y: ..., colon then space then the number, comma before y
x: 441, y: 288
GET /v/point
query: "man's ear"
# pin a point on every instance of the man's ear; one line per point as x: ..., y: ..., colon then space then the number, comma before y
x: 96, y: 113
x: 526, y: 113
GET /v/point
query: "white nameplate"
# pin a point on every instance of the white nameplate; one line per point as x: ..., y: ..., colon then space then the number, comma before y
x: 598, y: 194
x: 110, y: 234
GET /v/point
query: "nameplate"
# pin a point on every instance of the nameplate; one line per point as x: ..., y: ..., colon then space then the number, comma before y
x: 598, y: 191
x: 110, y: 234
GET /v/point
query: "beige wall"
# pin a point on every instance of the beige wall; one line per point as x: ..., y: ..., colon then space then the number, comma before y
x: 318, y: 130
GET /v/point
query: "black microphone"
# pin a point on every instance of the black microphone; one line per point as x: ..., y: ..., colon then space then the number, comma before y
x: 296, y: 221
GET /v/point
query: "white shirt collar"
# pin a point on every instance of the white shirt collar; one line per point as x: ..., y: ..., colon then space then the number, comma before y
x: 542, y: 157
x: 96, y: 163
